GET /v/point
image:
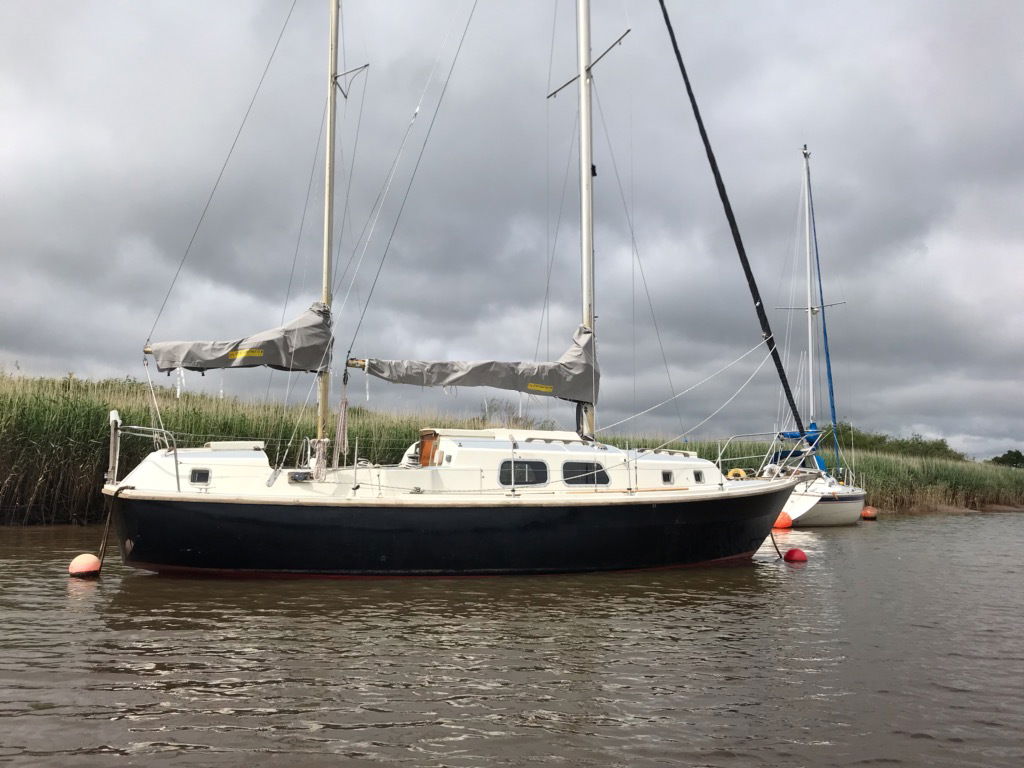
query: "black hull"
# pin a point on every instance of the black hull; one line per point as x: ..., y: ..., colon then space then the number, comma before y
x: 225, y: 539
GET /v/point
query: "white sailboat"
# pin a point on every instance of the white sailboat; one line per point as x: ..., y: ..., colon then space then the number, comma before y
x: 823, y: 498
x: 486, y: 501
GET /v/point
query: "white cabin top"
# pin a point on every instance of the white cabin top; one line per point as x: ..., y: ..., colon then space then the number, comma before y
x: 506, y: 433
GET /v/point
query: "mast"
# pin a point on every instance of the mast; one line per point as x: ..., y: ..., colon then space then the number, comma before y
x: 324, y: 388
x: 824, y: 325
x: 586, y: 182
x: 755, y: 294
x: 810, y: 306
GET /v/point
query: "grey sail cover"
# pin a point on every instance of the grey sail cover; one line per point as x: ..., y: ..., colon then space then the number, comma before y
x: 574, y: 376
x: 304, y: 344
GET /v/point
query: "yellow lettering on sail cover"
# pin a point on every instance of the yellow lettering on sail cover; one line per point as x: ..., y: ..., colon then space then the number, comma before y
x: 245, y: 353
x: 540, y: 387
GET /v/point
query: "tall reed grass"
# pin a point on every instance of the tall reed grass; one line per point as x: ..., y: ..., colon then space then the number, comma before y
x: 54, y: 437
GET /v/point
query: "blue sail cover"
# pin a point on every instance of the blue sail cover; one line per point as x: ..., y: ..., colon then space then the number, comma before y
x: 812, y: 435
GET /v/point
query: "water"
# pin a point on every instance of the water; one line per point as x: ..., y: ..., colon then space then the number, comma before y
x: 900, y: 643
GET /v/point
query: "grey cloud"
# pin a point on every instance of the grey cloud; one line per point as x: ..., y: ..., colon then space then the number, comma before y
x: 117, y: 117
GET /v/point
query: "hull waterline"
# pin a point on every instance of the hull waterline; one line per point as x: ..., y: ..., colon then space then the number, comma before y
x: 215, y: 538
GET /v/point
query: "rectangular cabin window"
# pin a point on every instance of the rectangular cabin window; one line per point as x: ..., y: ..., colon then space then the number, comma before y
x: 584, y: 473
x: 200, y: 477
x: 667, y: 476
x: 698, y: 476
x: 523, y: 473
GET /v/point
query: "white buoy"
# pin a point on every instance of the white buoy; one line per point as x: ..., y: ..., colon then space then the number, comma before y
x: 84, y: 566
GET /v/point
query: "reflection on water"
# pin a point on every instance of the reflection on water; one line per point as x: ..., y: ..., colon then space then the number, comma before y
x: 899, y: 643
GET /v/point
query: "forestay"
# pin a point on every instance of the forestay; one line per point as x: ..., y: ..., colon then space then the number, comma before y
x: 304, y: 344
x: 574, y: 376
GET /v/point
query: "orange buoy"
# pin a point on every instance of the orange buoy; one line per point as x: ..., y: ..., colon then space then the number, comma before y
x: 84, y: 567
x: 869, y: 513
x: 783, y: 521
x: 795, y: 556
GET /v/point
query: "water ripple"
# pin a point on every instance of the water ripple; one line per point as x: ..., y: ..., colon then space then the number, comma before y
x: 894, y: 646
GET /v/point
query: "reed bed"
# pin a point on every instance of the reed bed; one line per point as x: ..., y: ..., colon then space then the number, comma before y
x: 907, y: 483
x: 54, y: 437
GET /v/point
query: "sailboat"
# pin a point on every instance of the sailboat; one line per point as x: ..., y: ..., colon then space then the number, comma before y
x: 461, y: 501
x: 823, y: 498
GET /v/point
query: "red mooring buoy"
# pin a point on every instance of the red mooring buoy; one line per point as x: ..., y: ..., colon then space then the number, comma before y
x: 783, y: 521
x: 869, y: 513
x: 85, y: 567
x: 795, y: 556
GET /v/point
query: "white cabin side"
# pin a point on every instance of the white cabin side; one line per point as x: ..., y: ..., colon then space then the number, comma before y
x: 494, y: 462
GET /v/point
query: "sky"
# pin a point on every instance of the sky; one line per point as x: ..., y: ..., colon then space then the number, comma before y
x: 118, y: 118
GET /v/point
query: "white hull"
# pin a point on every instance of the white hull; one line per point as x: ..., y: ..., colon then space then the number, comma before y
x: 836, y: 504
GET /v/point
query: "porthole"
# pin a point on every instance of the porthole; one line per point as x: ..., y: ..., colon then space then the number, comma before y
x: 200, y: 476
x: 667, y: 476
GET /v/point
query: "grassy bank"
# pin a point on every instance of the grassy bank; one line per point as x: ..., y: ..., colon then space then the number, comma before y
x: 54, y: 432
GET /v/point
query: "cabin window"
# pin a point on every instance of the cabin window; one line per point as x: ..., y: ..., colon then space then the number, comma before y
x: 667, y: 476
x: 698, y: 476
x: 584, y: 473
x: 523, y: 473
x: 200, y: 476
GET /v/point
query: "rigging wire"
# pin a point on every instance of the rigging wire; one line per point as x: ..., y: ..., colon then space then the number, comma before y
x: 348, y: 186
x: 789, y: 271
x: 550, y: 245
x: 824, y: 325
x: 546, y: 305
x: 551, y: 239
x: 718, y: 410
x: 769, y: 338
x: 370, y: 225
x: 375, y: 215
x: 220, y: 175
x: 685, y: 391
x: 305, y: 210
x: 412, y: 178
x: 298, y: 238
x: 636, y: 253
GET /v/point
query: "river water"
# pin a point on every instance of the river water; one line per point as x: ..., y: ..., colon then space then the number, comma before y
x: 900, y: 642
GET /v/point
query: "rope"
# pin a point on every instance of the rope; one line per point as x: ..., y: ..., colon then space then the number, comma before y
x: 341, y: 427
x: 220, y: 175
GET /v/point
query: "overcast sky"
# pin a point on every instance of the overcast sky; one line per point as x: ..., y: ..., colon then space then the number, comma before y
x: 116, y: 117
